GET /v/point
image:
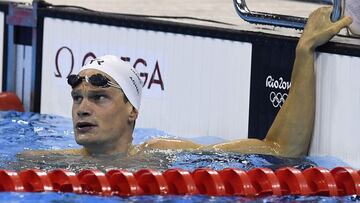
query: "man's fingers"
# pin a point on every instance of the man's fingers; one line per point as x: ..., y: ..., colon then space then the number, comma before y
x: 344, y: 22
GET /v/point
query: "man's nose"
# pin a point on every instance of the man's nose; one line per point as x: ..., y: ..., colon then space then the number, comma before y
x: 84, y: 109
x: 82, y: 113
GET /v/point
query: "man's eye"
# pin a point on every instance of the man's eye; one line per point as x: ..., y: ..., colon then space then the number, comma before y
x: 77, y: 98
x: 99, y: 97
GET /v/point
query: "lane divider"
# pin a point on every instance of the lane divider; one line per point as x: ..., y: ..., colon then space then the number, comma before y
x: 151, y: 182
x: 180, y: 182
x: 256, y: 182
x: 264, y: 181
x: 237, y: 182
x: 320, y: 181
x: 94, y: 182
x: 123, y: 183
x: 34, y: 180
x: 64, y: 181
x: 292, y: 181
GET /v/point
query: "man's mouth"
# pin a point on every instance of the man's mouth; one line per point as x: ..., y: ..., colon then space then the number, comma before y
x: 84, y: 127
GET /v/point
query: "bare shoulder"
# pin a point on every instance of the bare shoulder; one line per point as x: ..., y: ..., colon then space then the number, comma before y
x: 47, y: 152
x: 163, y: 144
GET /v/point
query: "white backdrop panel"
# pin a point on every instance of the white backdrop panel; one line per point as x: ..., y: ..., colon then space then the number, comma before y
x: 2, y: 34
x: 337, y: 108
x: 201, y: 85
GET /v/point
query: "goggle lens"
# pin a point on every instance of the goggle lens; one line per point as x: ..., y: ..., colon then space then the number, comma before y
x: 97, y: 80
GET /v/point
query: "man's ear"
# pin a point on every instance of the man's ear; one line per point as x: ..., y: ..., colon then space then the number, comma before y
x: 133, y: 114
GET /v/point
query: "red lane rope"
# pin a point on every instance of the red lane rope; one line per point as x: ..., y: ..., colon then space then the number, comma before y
x: 123, y: 183
x: 64, y: 181
x: 321, y: 181
x: 292, y: 182
x: 256, y: 182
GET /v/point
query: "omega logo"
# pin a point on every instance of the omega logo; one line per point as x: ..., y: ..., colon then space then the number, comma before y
x: 151, y: 76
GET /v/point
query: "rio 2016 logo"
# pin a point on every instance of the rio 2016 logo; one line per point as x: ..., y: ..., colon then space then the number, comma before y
x: 277, y: 99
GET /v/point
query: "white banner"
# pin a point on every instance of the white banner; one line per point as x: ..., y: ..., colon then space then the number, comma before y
x: 337, y: 108
x: 2, y: 34
x: 194, y: 86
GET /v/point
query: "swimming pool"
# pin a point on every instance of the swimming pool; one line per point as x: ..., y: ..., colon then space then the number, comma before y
x: 32, y: 131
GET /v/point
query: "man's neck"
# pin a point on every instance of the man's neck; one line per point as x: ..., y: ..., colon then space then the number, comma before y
x: 121, y: 146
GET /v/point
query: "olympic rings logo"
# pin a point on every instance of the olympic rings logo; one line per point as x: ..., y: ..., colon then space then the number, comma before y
x: 277, y: 99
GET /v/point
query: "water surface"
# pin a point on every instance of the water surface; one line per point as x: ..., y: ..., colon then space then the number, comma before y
x: 32, y: 131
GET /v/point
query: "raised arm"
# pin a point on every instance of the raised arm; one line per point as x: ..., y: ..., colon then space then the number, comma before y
x: 293, y: 125
x: 290, y: 133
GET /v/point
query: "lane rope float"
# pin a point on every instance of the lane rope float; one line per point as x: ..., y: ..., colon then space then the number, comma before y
x: 256, y: 182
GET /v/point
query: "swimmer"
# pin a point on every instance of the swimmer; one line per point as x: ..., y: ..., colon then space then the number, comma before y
x: 106, y: 97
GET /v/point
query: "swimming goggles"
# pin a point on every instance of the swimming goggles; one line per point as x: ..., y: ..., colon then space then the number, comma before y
x: 97, y: 80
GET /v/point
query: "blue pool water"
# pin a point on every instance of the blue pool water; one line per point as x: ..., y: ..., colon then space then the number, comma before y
x: 32, y: 131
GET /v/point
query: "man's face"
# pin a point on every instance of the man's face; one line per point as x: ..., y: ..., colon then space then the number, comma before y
x: 100, y: 115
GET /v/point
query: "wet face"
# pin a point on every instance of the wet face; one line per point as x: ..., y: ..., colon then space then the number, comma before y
x: 102, y: 119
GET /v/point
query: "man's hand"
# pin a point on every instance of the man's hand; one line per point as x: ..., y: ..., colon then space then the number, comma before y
x: 320, y: 29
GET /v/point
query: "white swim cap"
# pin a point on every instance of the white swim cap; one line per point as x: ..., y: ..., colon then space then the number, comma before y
x: 123, y: 73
